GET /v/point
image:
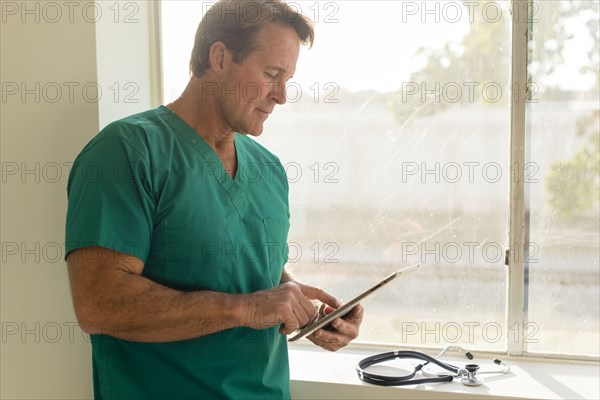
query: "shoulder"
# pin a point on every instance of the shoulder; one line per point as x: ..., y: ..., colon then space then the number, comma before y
x: 133, y: 133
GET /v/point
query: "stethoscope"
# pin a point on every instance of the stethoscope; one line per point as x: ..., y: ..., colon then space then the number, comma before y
x: 468, y: 374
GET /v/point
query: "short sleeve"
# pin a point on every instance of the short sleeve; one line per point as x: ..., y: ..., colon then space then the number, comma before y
x: 110, y: 202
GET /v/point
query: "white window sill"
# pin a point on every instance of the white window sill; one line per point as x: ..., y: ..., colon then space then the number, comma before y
x: 318, y: 374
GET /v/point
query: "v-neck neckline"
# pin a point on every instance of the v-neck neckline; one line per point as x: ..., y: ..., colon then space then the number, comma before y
x: 208, y: 152
x: 233, y: 186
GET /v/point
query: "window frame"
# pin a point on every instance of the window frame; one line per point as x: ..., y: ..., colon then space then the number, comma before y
x: 516, y: 226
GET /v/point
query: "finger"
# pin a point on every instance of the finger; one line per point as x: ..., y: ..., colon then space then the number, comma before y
x: 331, y: 341
x: 289, y: 328
x: 314, y: 293
x: 302, y: 301
x: 356, y: 314
x: 346, y: 330
x: 303, y: 313
x: 349, y: 329
x: 328, y: 309
x: 290, y: 325
x: 349, y: 325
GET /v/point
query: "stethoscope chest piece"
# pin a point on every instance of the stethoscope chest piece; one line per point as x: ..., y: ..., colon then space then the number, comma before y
x: 470, y: 377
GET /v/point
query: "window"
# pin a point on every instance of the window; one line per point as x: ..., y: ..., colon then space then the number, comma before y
x: 562, y: 198
x: 396, y: 141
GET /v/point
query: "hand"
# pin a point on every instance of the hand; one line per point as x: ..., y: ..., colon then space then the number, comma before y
x: 287, y: 304
x: 345, y: 330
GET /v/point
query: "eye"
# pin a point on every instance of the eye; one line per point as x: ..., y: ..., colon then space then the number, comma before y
x: 271, y: 76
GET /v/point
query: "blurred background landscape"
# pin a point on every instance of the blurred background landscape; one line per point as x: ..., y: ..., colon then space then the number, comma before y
x: 396, y: 141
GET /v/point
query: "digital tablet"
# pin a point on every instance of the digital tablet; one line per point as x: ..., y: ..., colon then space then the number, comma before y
x: 347, y: 307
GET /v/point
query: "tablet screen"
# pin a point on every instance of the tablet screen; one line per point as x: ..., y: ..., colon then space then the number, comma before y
x: 347, y: 307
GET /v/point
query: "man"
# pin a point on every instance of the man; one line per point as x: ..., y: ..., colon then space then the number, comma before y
x: 177, y: 227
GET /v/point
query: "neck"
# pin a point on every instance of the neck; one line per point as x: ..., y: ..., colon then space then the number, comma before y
x: 202, y: 113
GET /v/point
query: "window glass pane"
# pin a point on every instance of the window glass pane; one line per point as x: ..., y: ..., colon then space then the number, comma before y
x: 395, y: 141
x: 563, y: 182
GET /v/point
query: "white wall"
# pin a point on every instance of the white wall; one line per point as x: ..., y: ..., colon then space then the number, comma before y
x: 49, y: 110
x: 124, y: 47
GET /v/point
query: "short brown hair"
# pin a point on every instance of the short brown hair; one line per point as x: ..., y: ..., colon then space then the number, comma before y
x: 236, y: 23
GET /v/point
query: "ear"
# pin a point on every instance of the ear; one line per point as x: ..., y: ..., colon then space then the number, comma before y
x: 218, y: 57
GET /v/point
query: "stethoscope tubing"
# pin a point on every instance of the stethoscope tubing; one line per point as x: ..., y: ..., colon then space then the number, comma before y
x: 384, y: 380
x: 467, y: 373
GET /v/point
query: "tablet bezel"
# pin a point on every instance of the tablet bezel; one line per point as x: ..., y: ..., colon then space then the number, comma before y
x: 347, y: 307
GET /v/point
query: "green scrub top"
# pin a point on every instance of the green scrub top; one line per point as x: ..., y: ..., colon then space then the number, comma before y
x: 151, y: 187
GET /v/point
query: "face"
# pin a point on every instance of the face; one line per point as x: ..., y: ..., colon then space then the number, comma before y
x: 251, y: 90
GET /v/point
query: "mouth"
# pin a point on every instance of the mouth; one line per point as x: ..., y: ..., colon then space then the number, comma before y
x: 264, y: 112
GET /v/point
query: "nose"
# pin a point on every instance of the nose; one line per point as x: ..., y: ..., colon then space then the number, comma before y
x: 279, y: 93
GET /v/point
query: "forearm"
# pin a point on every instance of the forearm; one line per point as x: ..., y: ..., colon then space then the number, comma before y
x: 139, y: 309
x: 111, y: 296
